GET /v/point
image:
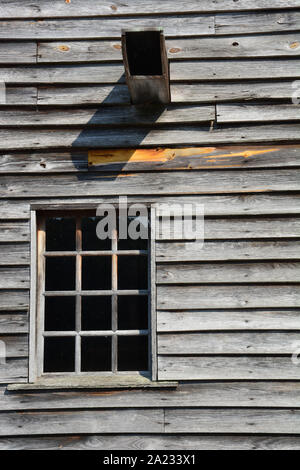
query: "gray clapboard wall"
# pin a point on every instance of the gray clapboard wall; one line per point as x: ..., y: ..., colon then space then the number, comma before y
x: 228, y: 312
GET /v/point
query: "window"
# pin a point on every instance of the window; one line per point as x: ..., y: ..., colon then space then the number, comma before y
x: 93, y: 299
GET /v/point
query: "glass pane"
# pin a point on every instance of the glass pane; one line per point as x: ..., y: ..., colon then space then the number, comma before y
x: 60, y: 313
x: 60, y: 273
x: 133, y: 353
x: 96, y: 313
x: 60, y: 234
x: 90, y: 241
x: 132, y: 312
x: 59, y: 354
x: 132, y: 272
x: 96, y: 272
x: 95, y: 353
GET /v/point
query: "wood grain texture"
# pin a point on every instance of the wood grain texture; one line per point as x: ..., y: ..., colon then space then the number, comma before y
x: 78, y: 8
x: 18, y: 53
x: 237, y: 228
x: 14, y: 254
x: 227, y: 251
x: 244, y: 421
x: 152, y: 442
x: 201, y: 182
x: 98, y: 28
x: 13, y: 322
x: 20, y: 96
x: 215, y: 273
x: 227, y: 296
x: 13, y: 300
x: 16, y: 232
x: 227, y: 343
x: 247, y: 394
x: 246, y: 319
x: 14, y: 371
x: 227, y: 368
x: 44, y: 162
x: 88, y: 421
x: 257, y: 113
x: 14, y: 278
x: 178, y: 48
x: 15, y: 345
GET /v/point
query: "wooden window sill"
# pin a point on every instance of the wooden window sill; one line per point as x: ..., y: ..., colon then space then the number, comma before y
x: 88, y: 382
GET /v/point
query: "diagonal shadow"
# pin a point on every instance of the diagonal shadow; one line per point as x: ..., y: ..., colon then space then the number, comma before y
x: 127, y: 124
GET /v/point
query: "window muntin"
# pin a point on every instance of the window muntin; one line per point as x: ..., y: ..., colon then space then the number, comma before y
x: 94, y: 299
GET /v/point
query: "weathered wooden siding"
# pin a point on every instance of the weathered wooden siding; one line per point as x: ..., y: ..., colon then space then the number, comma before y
x: 228, y: 313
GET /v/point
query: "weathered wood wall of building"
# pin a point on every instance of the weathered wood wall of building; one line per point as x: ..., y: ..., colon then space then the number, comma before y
x: 228, y: 315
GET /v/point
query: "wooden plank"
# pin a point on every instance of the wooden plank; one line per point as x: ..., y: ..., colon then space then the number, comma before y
x: 98, y: 28
x: 16, y: 231
x: 202, y: 182
x: 207, y: 320
x: 227, y: 343
x: 197, y: 70
x: 14, y: 254
x: 151, y: 442
x: 247, y: 394
x: 180, y: 48
x: 215, y: 273
x: 44, y: 162
x: 20, y: 96
x: 14, y: 371
x: 192, y: 158
x: 227, y: 296
x: 88, y: 421
x: 141, y: 115
x: 257, y: 113
x: 15, y: 346
x: 12, y: 139
x: 227, y: 368
x: 13, y: 300
x: 14, y: 278
x: 79, y: 8
x: 13, y: 322
x: 244, y: 421
x: 180, y: 93
x: 237, y: 228
x: 227, y: 251
x: 256, y: 23
x: 18, y: 52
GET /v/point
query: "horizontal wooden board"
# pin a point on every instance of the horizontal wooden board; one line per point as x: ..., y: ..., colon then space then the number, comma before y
x: 13, y: 322
x: 215, y: 273
x: 97, y: 28
x: 20, y: 96
x: 196, y: 70
x: 13, y: 300
x: 78, y: 8
x: 151, y: 442
x: 12, y: 139
x: 247, y: 394
x: 214, y: 205
x: 257, y: 113
x: 180, y: 93
x: 183, y: 227
x: 88, y: 421
x: 14, y: 371
x: 14, y: 254
x: 180, y: 48
x: 244, y: 421
x: 256, y: 23
x: 14, y: 345
x: 14, y: 278
x: 227, y: 251
x: 174, y: 297
x: 188, y: 158
x: 194, y: 182
x: 16, y: 232
x: 227, y: 368
x: 133, y: 115
x: 246, y: 319
x: 18, y: 53
x: 44, y: 162
x: 227, y: 343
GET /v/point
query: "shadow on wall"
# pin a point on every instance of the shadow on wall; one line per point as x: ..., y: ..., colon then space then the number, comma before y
x: 120, y: 126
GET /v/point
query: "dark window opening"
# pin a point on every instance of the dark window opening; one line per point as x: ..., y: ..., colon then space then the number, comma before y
x: 60, y: 313
x: 95, y: 354
x: 133, y: 353
x: 59, y: 354
x: 143, y: 52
